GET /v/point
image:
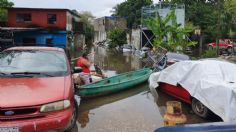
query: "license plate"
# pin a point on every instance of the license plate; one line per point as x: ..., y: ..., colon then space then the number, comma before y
x: 9, y: 129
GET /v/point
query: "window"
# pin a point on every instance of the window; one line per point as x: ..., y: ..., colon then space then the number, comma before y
x: 52, y: 18
x: 26, y: 17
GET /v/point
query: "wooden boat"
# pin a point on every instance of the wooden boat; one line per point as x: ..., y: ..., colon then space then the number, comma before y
x: 115, y: 83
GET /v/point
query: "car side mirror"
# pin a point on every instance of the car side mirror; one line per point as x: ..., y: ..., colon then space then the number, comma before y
x: 77, y: 70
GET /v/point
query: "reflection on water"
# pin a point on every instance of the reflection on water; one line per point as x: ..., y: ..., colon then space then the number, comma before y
x: 93, y: 103
x: 132, y: 110
x: 116, y: 61
x: 83, y: 118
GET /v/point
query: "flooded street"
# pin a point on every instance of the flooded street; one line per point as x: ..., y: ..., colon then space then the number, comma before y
x: 133, y: 110
x: 117, y: 65
x: 129, y: 111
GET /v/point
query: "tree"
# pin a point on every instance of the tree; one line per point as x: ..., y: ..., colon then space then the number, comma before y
x: 230, y: 6
x: 131, y: 9
x: 209, y: 15
x: 117, y: 37
x: 3, y: 11
x: 86, y: 18
x: 170, y: 36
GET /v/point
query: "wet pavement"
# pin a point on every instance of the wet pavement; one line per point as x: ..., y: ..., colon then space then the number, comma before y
x: 132, y: 110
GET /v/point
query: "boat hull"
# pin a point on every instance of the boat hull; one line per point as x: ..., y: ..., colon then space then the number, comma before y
x: 114, y: 84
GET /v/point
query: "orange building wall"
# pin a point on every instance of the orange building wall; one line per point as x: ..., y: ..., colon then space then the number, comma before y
x: 39, y: 18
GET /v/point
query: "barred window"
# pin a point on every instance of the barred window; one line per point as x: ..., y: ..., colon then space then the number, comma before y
x: 23, y: 17
x: 52, y: 18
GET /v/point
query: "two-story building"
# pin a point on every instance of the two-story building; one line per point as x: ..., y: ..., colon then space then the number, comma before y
x: 105, y: 24
x: 45, y: 27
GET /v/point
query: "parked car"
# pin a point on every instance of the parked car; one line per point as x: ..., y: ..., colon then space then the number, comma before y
x: 227, y: 44
x: 207, y: 85
x: 175, y: 57
x: 36, y: 90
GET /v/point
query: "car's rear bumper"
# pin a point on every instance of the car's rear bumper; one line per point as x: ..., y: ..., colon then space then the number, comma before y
x: 56, y: 121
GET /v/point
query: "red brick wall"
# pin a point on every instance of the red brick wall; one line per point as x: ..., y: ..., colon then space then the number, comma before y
x: 39, y: 18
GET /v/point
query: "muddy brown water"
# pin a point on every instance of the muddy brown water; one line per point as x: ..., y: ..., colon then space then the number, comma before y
x: 132, y: 110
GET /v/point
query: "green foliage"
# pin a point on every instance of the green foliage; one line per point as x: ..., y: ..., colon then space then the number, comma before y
x: 168, y: 33
x: 117, y: 37
x: 212, y: 53
x: 214, y: 17
x: 230, y: 6
x: 131, y: 9
x: 194, y: 58
x: 89, y: 30
x: 3, y: 11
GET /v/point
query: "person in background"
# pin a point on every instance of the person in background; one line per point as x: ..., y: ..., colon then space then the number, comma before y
x: 84, y: 63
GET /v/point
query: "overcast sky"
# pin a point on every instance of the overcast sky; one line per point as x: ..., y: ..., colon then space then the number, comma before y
x: 97, y: 7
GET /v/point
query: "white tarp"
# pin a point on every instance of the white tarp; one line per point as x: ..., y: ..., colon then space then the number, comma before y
x: 212, y: 82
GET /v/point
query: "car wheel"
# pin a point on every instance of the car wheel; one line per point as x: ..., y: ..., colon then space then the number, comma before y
x: 230, y: 50
x: 200, y: 109
x: 74, y: 117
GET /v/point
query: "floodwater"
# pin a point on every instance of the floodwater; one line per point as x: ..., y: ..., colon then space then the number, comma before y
x: 132, y: 110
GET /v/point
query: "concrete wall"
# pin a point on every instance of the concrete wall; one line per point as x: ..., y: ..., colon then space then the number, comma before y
x: 105, y: 24
x: 100, y: 36
x: 71, y: 20
x: 99, y: 24
x: 135, y: 39
x: 115, y: 22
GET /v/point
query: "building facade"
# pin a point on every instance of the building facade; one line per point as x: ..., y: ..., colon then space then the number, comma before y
x: 52, y: 27
x: 105, y: 24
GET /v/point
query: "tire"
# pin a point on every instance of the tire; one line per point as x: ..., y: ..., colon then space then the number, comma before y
x: 229, y: 50
x: 200, y: 109
x: 74, y: 117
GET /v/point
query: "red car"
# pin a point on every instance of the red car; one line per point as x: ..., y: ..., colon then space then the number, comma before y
x: 223, y: 44
x: 182, y: 94
x: 36, y: 90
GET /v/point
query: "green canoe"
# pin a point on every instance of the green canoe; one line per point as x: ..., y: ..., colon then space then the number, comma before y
x: 115, y: 83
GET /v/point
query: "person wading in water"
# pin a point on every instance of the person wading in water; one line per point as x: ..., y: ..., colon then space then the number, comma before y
x: 84, y: 63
